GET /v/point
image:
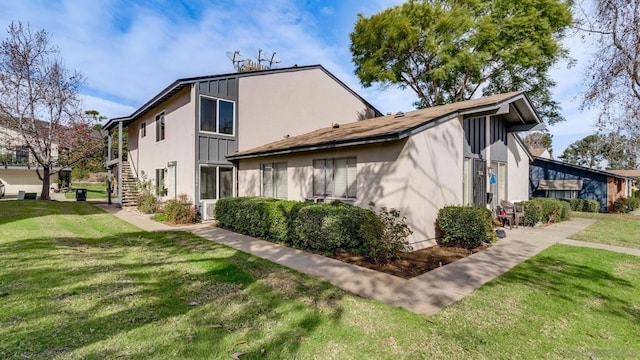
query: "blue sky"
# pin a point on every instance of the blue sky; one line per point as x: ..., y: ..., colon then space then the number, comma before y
x: 130, y: 50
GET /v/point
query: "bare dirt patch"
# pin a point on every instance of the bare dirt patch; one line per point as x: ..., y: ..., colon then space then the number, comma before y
x: 415, y: 263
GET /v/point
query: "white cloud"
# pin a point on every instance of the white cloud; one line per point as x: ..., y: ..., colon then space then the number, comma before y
x: 106, y: 108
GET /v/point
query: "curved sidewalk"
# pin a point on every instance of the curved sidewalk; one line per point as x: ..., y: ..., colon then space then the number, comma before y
x: 424, y: 294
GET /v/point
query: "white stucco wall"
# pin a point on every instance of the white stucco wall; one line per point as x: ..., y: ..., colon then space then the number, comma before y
x: 417, y: 176
x: 517, y: 171
x: 22, y: 179
x: 271, y: 106
x: 146, y: 155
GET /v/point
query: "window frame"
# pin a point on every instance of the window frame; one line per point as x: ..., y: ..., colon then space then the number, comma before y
x: 501, y: 176
x: 143, y: 129
x: 325, y: 194
x: 161, y: 191
x: 217, y: 121
x: 274, y: 182
x: 161, y: 126
x: 217, y: 188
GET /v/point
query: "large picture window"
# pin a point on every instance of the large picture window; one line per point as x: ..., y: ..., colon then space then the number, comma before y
x: 160, y: 127
x: 334, y: 178
x: 216, y: 182
x: 274, y: 180
x: 217, y: 115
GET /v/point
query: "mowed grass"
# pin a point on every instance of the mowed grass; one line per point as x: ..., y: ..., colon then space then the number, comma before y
x: 94, y: 190
x: 78, y: 283
x: 611, y: 229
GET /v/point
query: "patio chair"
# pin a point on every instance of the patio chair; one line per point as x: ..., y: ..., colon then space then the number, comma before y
x: 509, y: 213
x: 519, y: 214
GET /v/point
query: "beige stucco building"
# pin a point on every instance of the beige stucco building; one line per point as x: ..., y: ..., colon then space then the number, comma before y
x: 301, y: 134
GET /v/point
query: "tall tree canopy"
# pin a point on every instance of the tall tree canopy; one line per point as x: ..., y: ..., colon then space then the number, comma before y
x: 448, y: 50
x: 39, y: 102
x: 613, y: 77
x: 611, y: 151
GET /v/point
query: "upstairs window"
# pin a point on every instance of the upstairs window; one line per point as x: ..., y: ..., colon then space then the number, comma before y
x: 217, y: 115
x: 334, y: 178
x: 160, y: 127
x: 143, y: 129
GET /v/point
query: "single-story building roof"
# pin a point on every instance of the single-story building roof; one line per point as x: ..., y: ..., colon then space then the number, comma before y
x: 634, y: 173
x: 610, y: 173
x: 514, y: 107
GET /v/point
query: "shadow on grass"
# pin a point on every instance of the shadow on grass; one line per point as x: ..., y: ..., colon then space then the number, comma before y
x: 11, y: 211
x: 151, y: 294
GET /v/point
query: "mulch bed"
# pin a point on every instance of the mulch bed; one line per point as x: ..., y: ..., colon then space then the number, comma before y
x: 414, y: 263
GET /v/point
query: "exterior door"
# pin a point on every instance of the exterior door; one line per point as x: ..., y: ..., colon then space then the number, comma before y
x: 170, y: 180
x: 479, y: 182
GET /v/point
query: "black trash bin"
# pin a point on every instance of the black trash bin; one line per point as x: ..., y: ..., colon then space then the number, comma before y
x: 81, y: 194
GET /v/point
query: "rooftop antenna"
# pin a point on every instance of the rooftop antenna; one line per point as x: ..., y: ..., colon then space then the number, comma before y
x: 273, y: 59
x: 237, y: 59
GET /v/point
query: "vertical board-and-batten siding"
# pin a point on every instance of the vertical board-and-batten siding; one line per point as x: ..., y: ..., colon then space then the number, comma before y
x: 213, y: 148
x: 594, y: 185
x: 498, y: 140
x: 475, y: 132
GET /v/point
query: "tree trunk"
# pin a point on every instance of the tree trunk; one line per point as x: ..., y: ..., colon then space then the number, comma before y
x: 46, y: 182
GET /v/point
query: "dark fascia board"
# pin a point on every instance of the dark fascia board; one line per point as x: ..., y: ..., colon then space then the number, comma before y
x: 583, y: 168
x: 179, y: 84
x: 399, y: 135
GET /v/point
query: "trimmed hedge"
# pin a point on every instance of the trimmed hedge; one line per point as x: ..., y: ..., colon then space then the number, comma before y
x: 545, y: 210
x: 623, y: 204
x: 584, y: 205
x: 322, y: 227
x: 633, y: 203
x: 464, y: 226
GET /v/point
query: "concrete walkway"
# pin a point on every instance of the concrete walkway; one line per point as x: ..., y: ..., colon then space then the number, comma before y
x: 424, y: 294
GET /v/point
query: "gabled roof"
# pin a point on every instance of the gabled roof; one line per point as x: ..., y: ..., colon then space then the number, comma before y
x: 514, y: 105
x: 537, y: 151
x: 180, y: 84
x: 584, y: 168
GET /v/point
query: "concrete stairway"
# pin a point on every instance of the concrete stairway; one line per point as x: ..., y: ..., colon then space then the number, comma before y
x: 129, y: 186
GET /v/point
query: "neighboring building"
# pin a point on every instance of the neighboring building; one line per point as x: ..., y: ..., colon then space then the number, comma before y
x: 180, y: 138
x: 17, y: 165
x: 557, y: 179
x: 416, y: 162
x: 541, y: 152
x: 633, y: 174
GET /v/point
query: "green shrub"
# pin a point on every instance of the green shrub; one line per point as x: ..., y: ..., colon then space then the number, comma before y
x: 552, y: 210
x: 620, y: 205
x: 532, y: 212
x: 179, y: 211
x: 467, y: 227
x: 591, y: 205
x: 633, y: 203
x: 394, y: 236
x: 329, y: 227
x: 636, y: 192
x: 147, y: 200
x: 576, y: 204
x: 565, y: 211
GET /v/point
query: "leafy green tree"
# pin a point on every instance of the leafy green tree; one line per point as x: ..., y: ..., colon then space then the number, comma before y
x: 448, y: 50
x: 613, y: 151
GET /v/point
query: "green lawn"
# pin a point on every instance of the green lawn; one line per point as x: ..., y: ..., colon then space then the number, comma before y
x: 78, y: 283
x: 611, y: 229
x: 94, y: 190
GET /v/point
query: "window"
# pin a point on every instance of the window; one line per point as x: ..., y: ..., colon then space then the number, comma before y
x: 22, y: 155
x: 160, y: 127
x: 334, y: 178
x: 216, y: 182
x: 499, y: 182
x: 216, y: 115
x: 161, y: 188
x: 274, y: 180
x: 562, y: 194
x: 143, y: 129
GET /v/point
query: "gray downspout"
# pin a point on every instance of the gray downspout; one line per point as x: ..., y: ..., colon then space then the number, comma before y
x: 120, y: 163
